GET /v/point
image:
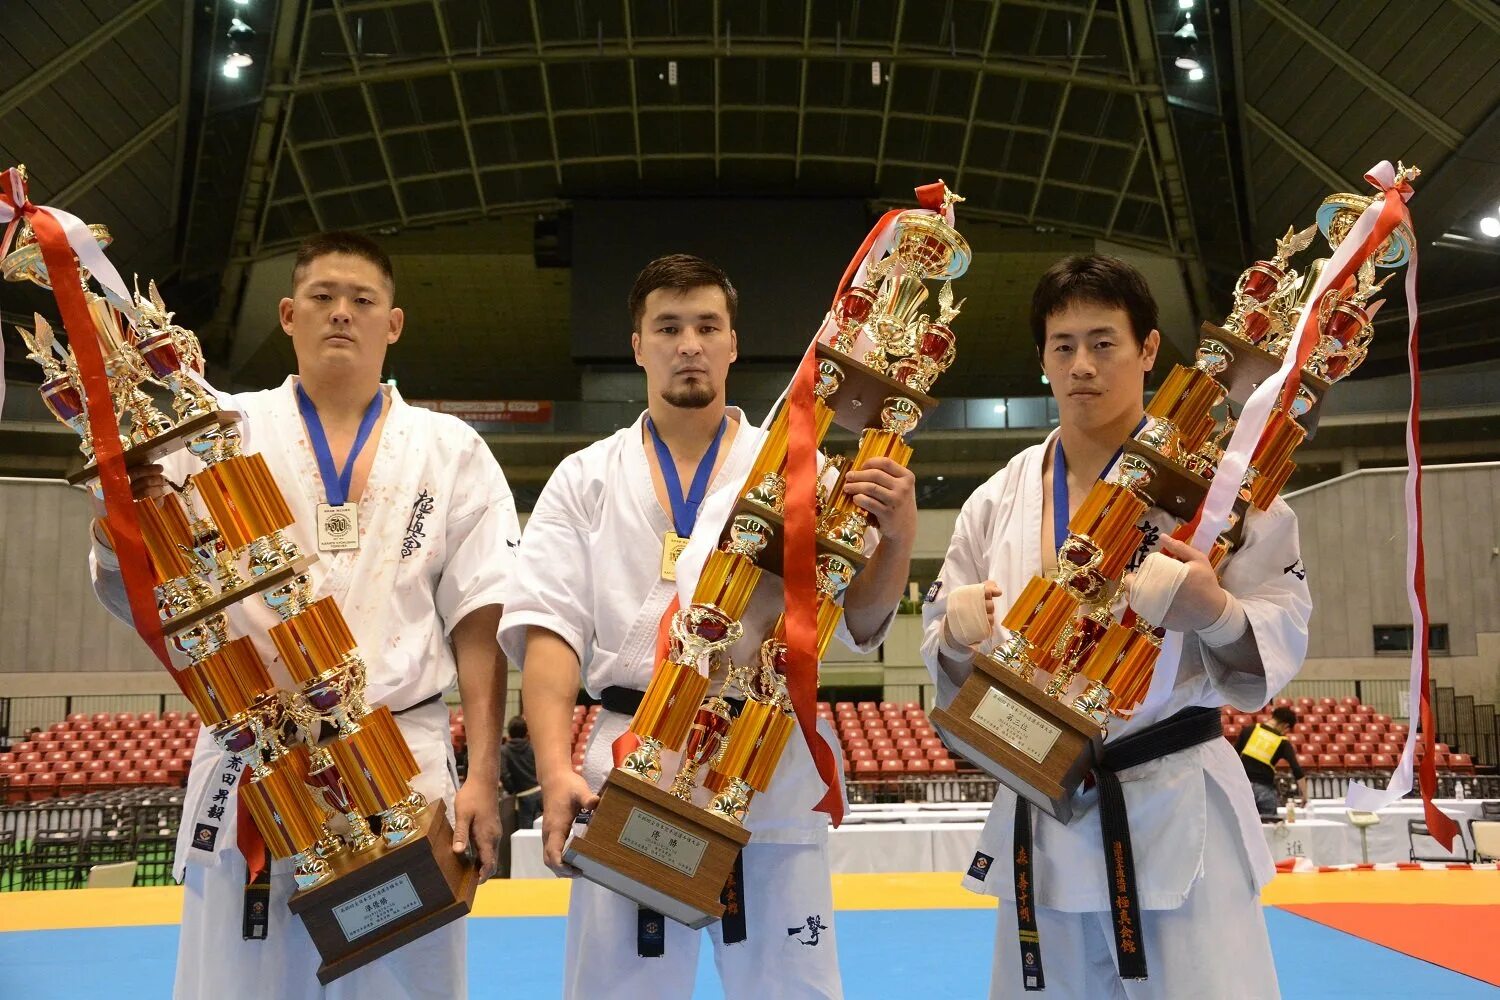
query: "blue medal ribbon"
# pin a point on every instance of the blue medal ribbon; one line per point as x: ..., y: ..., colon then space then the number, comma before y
x: 1060, y: 484
x: 335, y: 483
x: 685, y: 509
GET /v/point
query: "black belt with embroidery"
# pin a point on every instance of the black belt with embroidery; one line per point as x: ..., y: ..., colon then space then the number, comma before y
x: 649, y: 943
x: 1188, y: 728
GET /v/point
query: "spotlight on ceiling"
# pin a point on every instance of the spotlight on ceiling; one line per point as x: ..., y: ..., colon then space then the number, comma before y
x: 1195, y: 74
x: 1186, y: 31
x: 1188, y: 63
x: 1185, y: 4
x: 239, y: 56
x: 1490, y: 226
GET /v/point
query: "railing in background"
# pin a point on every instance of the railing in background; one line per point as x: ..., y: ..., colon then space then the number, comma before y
x: 17, y: 715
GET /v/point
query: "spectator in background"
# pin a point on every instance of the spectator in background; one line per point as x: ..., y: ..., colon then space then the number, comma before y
x: 1261, y: 747
x: 518, y: 773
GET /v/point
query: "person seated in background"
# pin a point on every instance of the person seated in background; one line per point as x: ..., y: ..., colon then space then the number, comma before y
x: 1261, y: 747
x: 518, y: 773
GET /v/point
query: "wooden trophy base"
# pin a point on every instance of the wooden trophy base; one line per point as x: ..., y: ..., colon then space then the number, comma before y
x: 1034, y: 745
x: 663, y: 853
x: 163, y: 444
x: 1252, y: 366
x: 379, y: 900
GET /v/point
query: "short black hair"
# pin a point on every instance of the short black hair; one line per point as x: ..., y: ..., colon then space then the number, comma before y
x: 1097, y: 279
x: 1285, y: 716
x: 516, y: 727
x: 342, y: 241
x: 681, y: 272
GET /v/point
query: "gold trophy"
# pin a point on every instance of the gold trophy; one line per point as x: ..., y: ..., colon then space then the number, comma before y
x: 341, y: 810
x: 1035, y: 712
x: 672, y: 848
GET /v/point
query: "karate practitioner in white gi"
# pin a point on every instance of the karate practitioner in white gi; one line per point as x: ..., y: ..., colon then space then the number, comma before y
x: 590, y: 593
x: 422, y: 592
x: 1200, y: 856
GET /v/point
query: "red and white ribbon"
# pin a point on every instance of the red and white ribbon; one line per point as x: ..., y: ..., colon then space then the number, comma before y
x: 16, y: 204
x: 1374, y: 225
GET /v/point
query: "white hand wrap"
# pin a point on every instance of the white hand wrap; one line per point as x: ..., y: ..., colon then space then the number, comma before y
x: 1229, y: 626
x: 1155, y: 585
x: 966, y: 624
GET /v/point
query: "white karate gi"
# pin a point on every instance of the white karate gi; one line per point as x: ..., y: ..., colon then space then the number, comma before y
x: 590, y: 571
x: 438, y: 534
x: 1200, y: 856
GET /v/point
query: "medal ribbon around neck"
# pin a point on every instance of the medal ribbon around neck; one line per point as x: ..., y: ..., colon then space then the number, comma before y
x: 335, y: 483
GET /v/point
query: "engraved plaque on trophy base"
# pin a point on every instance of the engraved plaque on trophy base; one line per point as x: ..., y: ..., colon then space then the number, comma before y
x: 378, y: 901
x: 1034, y: 745
x: 663, y: 853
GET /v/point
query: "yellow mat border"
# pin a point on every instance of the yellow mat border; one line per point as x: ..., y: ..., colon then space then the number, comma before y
x: 84, y: 908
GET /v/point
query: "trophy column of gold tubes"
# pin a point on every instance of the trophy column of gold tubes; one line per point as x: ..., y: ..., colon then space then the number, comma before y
x: 222, y: 540
x: 734, y: 756
x: 1064, y: 626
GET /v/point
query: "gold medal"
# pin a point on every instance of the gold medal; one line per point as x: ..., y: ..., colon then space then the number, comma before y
x: 338, y: 527
x: 672, y: 545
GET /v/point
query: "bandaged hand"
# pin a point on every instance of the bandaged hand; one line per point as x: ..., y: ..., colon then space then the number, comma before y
x: 970, y: 618
x: 1177, y: 589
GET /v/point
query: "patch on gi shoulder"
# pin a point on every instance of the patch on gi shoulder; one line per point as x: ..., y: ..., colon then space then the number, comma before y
x: 204, y: 836
x: 933, y: 591
x: 980, y: 866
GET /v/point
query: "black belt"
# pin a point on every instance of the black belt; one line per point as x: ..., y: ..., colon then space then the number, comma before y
x: 1188, y: 728
x: 625, y: 701
x: 650, y: 928
x: 326, y: 730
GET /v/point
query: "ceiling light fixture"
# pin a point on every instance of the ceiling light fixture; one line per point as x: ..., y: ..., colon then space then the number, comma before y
x: 1490, y: 226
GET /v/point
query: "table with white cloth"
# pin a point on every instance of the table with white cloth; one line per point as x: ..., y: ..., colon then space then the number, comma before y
x: 922, y: 837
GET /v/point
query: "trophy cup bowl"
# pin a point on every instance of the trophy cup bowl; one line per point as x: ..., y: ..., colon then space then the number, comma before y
x: 24, y: 262
x: 929, y: 247
x: 1337, y: 215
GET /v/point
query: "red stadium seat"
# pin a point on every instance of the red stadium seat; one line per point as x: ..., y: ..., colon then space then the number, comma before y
x: 1351, y: 701
x: 928, y: 742
x: 918, y: 766
x: 1282, y: 703
x: 898, y: 734
x: 1364, y: 748
x: 74, y: 783
x: 1330, y: 762
x: 913, y: 753
x: 866, y: 767
x: 1329, y: 704
x: 1356, y: 761
x: 1375, y: 727
x: 159, y: 776
x: 1244, y: 720
x: 1460, y: 763
x: 1390, y: 748
x: 16, y: 787
x: 863, y: 753
x: 867, y: 706
x: 37, y: 767
x: 887, y: 753
x: 129, y: 777
x: 923, y: 732
x: 881, y: 743
x: 1307, y: 761
x: 1232, y: 732
x: 42, y: 786
x: 1309, y: 747
x: 902, y: 742
x: 937, y: 753
x: 944, y: 764
x: 892, y: 765
x: 1377, y: 717
x: 857, y: 743
x: 1303, y: 727
x: 1308, y: 702
x: 1383, y: 761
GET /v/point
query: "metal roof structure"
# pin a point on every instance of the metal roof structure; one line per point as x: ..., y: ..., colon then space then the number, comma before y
x: 1061, y: 121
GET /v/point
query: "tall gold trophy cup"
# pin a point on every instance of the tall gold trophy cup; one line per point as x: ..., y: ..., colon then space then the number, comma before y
x: 372, y: 860
x: 1035, y: 712
x: 671, y: 846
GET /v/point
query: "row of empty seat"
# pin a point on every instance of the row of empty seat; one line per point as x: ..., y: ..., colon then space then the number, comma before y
x: 1343, y: 736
